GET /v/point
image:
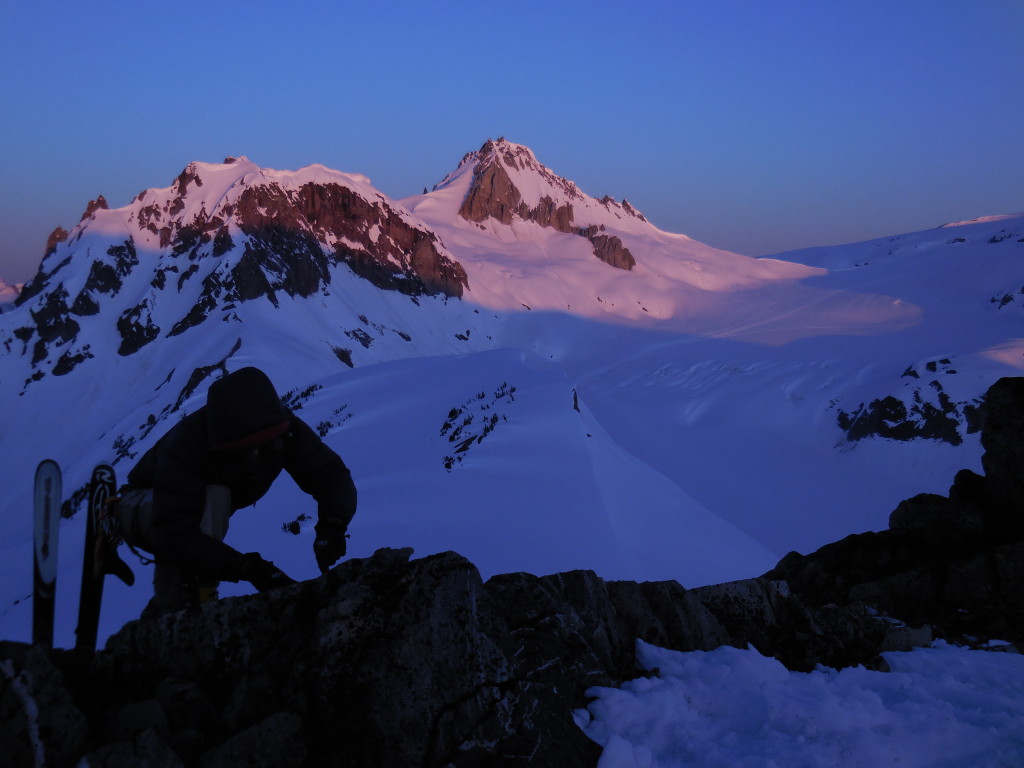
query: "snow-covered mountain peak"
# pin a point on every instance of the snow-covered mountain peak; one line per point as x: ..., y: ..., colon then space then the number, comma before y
x: 531, y: 180
x: 213, y: 208
x: 220, y: 236
x: 504, y: 182
x: 529, y: 238
x: 203, y: 192
x: 502, y: 186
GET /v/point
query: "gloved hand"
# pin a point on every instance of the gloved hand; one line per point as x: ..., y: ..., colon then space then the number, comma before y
x: 329, y: 545
x: 263, y: 574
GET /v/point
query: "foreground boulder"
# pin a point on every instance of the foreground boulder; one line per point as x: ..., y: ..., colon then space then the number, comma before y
x: 382, y: 661
x: 952, y: 563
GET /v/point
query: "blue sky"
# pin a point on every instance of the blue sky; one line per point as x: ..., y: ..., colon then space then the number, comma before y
x: 757, y: 127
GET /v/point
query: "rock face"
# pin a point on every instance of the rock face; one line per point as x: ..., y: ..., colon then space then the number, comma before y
x: 493, y: 194
x: 99, y: 204
x: 379, y: 244
x: 58, y: 236
x: 393, y: 661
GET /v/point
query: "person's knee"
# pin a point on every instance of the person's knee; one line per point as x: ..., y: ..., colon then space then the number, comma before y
x: 217, y: 511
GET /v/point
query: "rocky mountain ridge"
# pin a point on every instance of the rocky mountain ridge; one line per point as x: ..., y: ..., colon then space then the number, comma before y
x: 393, y: 661
x: 249, y: 234
x: 222, y: 235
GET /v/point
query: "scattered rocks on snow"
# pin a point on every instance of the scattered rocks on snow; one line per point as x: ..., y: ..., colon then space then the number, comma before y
x: 928, y: 412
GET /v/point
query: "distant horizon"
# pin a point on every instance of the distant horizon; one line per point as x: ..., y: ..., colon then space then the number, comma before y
x: 754, y: 128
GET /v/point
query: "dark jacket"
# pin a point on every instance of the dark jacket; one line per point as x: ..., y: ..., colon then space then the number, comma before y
x: 242, y: 438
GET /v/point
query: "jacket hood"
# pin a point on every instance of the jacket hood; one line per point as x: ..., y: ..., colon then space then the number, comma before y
x: 244, y: 411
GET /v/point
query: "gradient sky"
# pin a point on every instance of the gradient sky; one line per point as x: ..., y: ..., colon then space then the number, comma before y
x: 756, y: 126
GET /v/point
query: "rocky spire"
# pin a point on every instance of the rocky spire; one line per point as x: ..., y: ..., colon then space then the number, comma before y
x: 99, y: 204
x: 493, y: 194
x: 59, y: 235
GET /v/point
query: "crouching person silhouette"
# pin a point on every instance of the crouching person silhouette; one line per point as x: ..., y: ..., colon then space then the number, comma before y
x: 221, y: 458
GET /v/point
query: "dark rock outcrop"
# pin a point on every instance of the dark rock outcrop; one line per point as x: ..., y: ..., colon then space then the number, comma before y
x: 99, y: 204
x: 103, y: 278
x: 387, y: 661
x: 70, y: 360
x: 929, y: 413
x: 956, y: 562
x: 40, y: 723
x: 54, y: 324
x: 58, y: 236
x: 610, y: 250
x: 1003, y: 460
x: 213, y: 291
x: 374, y: 240
x: 491, y: 193
x: 136, y: 327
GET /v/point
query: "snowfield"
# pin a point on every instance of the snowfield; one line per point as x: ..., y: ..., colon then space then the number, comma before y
x: 938, y: 707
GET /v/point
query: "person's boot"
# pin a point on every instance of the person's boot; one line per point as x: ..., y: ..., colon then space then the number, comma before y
x: 207, y: 593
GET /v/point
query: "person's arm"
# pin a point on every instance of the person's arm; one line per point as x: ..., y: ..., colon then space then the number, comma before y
x: 321, y: 473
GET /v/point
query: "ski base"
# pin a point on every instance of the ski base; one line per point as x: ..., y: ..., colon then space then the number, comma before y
x: 102, y: 487
x: 46, y: 531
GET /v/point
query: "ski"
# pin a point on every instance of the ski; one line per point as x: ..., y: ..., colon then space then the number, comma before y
x: 46, y: 532
x: 101, y: 488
